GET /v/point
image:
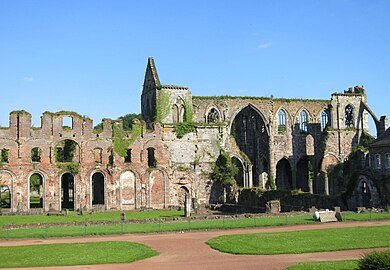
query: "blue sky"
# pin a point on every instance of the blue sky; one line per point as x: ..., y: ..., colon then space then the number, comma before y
x: 90, y: 56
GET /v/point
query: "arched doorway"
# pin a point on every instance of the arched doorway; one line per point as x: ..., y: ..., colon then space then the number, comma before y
x: 128, y: 187
x: 240, y: 174
x: 252, y: 137
x: 183, y: 192
x: 305, y: 175
x: 97, y: 188
x: 6, y: 190
x: 283, y: 175
x: 36, y: 191
x: 67, y: 191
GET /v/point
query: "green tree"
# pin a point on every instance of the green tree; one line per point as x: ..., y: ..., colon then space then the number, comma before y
x: 224, y: 171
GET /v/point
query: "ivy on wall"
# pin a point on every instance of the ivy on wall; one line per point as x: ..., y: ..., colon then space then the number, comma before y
x: 163, y: 105
x: 122, y: 139
x: 187, y: 126
x: 224, y: 170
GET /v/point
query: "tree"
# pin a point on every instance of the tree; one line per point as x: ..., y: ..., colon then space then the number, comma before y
x: 224, y: 171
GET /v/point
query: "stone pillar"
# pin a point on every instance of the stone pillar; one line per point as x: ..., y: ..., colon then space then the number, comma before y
x: 250, y: 176
x: 326, y: 183
x: 187, y: 205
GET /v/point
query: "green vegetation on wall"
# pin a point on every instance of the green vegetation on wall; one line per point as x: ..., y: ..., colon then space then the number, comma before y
x: 182, y: 129
x: 188, y: 113
x: 4, y: 155
x: 122, y: 139
x: 285, y: 100
x: 163, y: 105
x: 187, y: 126
x: 224, y: 170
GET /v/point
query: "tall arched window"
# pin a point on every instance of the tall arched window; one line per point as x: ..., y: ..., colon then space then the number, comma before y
x: 324, y: 119
x: 303, y: 121
x: 387, y: 161
x: 175, y: 113
x: 378, y: 164
x: 213, y: 116
x: 349, y: 116
x: 152, y: 163
x: 282, y: 127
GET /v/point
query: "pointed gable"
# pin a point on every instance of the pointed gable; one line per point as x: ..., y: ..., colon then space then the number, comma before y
x: 151, y: 81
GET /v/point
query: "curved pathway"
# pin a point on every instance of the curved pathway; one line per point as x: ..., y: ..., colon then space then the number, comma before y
x: 187, y: 250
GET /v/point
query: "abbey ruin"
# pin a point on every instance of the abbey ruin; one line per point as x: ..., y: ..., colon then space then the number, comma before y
x: 288, y: 146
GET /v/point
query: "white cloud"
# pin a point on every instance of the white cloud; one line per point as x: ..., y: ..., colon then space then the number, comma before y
x: 28, y: 78
x: 265, y: 45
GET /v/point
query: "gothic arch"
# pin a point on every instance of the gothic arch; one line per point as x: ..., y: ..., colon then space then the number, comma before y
x: 251, y: 133
x: 239, y: 110
x: 213, y: 114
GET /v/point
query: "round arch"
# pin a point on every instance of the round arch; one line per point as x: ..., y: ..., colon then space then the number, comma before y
x: 98, y: 187
x: 36, y: 191
x: 67, y: 188
x: 7, y: 189
x: 128, y: 189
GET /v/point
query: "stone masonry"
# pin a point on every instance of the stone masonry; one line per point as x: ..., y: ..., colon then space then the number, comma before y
x: 276, y: 144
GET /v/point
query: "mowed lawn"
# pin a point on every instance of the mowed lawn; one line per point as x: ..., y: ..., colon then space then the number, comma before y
x: 303, y: 241
x: 73, y: 254
x: 74, y: 216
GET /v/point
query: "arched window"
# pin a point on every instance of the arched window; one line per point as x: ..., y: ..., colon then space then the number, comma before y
x: 377, y: 163
x: 387, y: 161
x: 175, y: 113
x: 36, y: 154
x: 152, y: 163
x: 282, y: 127
x: 213, y: 116
x: 303, y: 121
x: 349, y: 116
x: 128, y: 156
x: 324, y: 119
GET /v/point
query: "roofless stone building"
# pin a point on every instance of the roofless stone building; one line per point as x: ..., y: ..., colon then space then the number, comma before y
x: 276, y: 143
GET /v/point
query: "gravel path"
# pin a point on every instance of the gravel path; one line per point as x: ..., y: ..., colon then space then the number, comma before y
x: 187, y: 250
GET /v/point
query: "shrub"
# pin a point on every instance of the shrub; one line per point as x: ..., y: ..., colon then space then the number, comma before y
x: 375, y: 261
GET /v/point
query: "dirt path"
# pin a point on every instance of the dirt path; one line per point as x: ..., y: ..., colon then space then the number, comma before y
x: 188, y: 250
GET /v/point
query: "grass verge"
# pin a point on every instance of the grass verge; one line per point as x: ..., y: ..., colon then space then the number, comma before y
x: 73, y: 254
x: 73, y: 216
x: 303, y: 241
x: 328, y: 265
x: 164, y: 226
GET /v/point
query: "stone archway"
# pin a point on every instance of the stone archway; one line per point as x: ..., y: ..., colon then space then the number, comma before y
x: 252, y: 137
x: 98, y: 188
x: 67, y: 191
x: 36, y: 191
x: 240, y: 176
x: 305, y: 175
x: 6, y: 190
x: 128, y: 190
x: 283, y: 175
x: 157, y: 189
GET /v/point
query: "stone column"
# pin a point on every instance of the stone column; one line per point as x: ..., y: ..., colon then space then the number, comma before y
x: 326, y: 183
x: 250, y: 176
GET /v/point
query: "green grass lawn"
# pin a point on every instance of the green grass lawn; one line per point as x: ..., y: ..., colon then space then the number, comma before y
x: 303, y: 241
x: 73, y: 216
x: 73, y: 254
x: 334, y: 265
x: 81, y: 230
